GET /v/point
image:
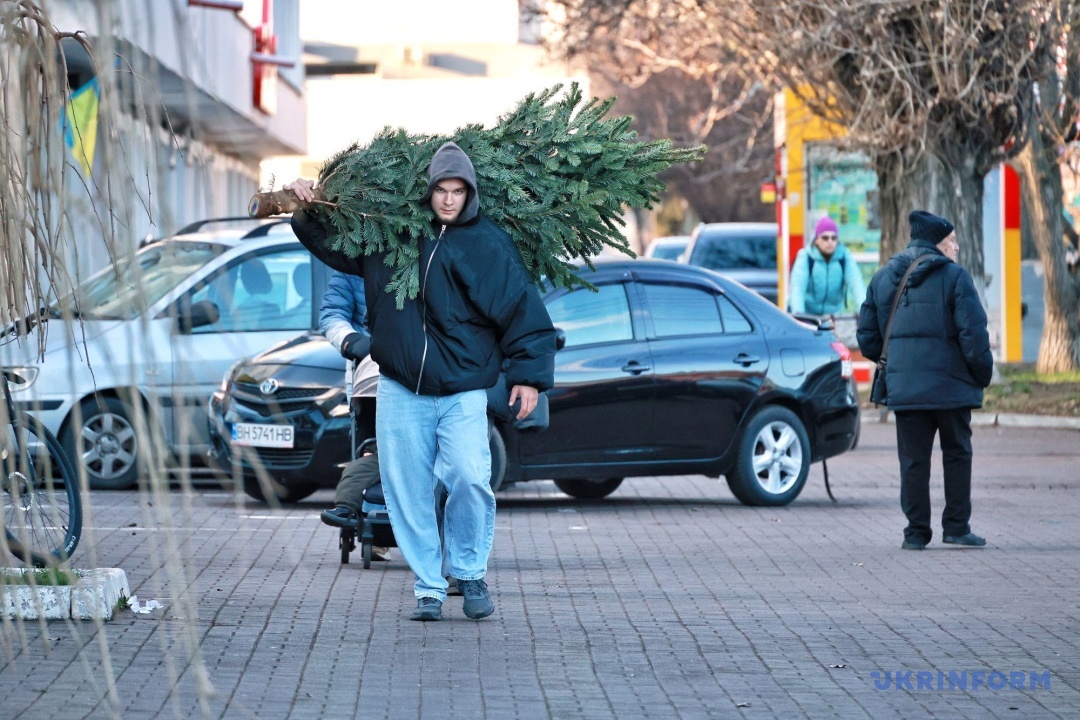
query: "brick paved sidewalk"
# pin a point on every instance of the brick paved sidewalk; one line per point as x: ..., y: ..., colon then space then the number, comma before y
x: 667, y: 600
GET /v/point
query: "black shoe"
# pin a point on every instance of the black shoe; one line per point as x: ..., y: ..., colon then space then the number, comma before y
x: 969, y: 540
x: 341, y: 516
x: 477, y: 601
x: 913, y: 545
x: 427, y: 608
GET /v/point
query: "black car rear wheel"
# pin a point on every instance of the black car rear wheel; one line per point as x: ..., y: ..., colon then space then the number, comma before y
x: 273, y: 491
x: 589, y: 489
x: 773, y: 459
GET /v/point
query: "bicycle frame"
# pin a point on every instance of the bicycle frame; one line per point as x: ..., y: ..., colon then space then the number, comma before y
x: 10, y: 444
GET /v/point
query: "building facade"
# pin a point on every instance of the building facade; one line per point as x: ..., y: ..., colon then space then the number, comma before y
x: 199, y: 93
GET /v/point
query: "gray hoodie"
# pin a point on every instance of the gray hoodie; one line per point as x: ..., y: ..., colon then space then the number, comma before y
x: 450, y: 161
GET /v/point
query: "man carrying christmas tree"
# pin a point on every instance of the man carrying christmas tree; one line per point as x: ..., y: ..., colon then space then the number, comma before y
x: 437, y: 356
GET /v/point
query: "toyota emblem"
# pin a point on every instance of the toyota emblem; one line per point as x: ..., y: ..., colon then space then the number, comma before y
x: 269, y: 387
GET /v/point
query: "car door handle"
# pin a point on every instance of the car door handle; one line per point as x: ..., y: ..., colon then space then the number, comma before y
x: 746, y: 360
x: 635, y: 368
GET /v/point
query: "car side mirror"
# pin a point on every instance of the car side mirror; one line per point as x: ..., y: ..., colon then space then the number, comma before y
x: 560, y: 338
x: 195, y: 315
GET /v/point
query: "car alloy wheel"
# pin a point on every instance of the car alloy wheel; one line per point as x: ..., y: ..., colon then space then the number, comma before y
x: 106, y: 444
x: 773, y: 459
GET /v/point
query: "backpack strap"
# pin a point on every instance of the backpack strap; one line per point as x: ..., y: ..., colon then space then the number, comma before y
x: 843, y: 281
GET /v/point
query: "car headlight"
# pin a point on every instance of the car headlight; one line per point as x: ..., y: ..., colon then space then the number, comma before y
x: 224, y: 387
x: 27, y: 375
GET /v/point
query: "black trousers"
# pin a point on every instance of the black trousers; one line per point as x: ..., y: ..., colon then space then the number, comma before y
x: 915, y: 431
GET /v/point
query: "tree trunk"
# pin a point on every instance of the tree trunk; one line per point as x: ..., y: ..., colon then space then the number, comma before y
x: 281, y: 202
x: 955, y: 192
x: 897, y: 183
x: 1040, y: 182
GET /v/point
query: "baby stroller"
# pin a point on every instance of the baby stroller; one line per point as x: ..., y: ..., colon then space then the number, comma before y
x: 360, y: 487
x: 361, y: 480
x: 373, y: 529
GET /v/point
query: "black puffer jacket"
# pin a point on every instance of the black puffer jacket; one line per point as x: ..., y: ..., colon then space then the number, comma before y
x: 476, y: 304
x: 939, y: 350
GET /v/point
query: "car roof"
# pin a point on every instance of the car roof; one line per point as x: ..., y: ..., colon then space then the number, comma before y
x: 736, y: 228
x: 232, y: 231
x: 647, y: 268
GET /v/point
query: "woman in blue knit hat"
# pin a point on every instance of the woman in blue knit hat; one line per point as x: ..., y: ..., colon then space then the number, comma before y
x: 938, y: 361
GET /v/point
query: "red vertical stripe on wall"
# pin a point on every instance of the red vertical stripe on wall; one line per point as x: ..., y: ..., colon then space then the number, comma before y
x: 1012, y: 199
x: 795, y: 244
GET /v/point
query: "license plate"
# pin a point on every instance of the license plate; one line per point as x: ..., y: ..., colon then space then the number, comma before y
x: 267, y: 436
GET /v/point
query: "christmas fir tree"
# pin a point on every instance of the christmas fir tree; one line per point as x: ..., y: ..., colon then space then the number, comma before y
x: 555, y: 173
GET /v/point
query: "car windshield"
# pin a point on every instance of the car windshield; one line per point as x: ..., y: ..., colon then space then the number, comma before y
x: 735, y: 252
x: 125, y: 289
x: 668, y: 252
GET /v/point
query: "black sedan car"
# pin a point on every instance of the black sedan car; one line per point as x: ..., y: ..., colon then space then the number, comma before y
x: 666, y: 369
x: 280, y: 421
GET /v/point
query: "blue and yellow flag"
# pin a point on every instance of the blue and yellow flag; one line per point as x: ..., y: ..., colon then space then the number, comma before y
x: 80, y: 124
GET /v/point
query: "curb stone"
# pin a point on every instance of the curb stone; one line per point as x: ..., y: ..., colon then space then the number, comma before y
x: 94, y: 597
x: 993, y: 419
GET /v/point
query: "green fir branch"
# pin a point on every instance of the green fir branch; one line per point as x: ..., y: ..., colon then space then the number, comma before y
x: 555, y: 172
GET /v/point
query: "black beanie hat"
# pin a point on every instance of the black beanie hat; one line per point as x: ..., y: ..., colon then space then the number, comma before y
x: 925, y: 226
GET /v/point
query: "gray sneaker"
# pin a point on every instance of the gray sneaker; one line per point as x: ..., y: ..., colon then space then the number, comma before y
x: 427, y: 608
x: 477, y: 601
x: 969, y: 540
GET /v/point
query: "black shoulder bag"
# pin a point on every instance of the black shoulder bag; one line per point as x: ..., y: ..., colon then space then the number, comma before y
x: 879, y: 392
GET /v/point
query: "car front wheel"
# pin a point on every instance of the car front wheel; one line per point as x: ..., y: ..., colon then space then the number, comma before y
x: 271, y: 491
x: 589, y: 489
x: 105, y: 444
x: 773, y: 459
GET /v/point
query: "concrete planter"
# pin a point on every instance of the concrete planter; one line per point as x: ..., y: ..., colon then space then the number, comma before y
x: 93, y: 597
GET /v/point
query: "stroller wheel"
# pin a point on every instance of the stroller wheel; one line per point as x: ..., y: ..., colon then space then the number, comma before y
x: 366, y: 551
x: 347, y: 543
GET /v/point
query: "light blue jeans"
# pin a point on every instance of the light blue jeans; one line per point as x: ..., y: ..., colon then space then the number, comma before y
x: 425, y: 440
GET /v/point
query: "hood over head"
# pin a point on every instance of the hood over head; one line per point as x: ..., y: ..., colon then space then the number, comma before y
x: 898, y: 265
x: 450, y: 161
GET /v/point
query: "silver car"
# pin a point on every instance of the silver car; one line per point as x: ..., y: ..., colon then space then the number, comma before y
x: 743, y: 252
x: 156, y: 333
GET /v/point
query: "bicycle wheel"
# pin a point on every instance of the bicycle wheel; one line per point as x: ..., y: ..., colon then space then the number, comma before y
x: 42, y: 509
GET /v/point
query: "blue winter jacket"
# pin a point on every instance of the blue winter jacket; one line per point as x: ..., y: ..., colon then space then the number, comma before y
x: 939, y: 350
x: 826, y: 288
x: 343, y: 309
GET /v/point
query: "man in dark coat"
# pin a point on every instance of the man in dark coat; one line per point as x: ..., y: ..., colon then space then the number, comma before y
x: 938, y: 363
x: 477, y: 311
